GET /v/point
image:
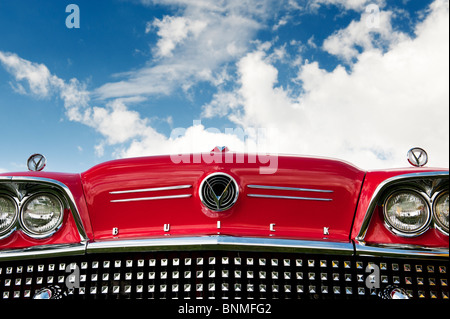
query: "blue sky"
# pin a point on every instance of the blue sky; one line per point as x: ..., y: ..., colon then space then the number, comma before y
x: 359, y: 80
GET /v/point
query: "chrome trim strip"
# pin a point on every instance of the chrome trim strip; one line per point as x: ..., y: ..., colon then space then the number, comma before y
x: 403, y: 251
x: 290, y: 197
x: 61, y: 186
x: 150, y: 198
x: 224, y: 243
x: 289, y: 188
x: 379, y: 190
x: 219, y: 243
x: 44, y: 251
x: 154, y: 189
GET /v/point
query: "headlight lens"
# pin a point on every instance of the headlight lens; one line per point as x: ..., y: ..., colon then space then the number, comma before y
x: 42, y: 215
x: 407, y: 213
x: 8, y: 213
x: 441, y: 207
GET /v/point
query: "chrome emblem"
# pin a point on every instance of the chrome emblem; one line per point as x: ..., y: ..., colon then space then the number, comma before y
x: 36, y: 162
x: 417, y: 157
x: 219, y: 192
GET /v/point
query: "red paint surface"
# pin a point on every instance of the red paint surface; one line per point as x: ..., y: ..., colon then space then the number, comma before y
x: 295, y: 219
x: 248, y: 217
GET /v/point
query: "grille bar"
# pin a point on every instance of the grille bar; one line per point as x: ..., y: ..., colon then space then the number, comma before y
x: 222, y: 275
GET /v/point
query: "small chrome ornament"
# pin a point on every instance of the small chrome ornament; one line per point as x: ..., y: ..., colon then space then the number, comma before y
x: 417, y: 157
x: 220, y: 149
x: 36, y: 162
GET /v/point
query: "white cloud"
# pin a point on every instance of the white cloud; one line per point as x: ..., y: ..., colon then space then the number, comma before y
x: 389, y: 102
x: 357, y: 5
x: 42, y: 84
x: 115, y: 121
x: 38, y: 77
x: 372, y: 31
x: 221, y: 104
x: 193, y: 46
x: 173, y: 30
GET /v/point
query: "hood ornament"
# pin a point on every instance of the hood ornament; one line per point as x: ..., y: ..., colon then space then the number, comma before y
x: 417, y: 157
x: 220, y: 149
x: 36, y: 162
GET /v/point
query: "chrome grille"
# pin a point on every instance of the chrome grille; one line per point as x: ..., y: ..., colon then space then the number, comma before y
x: 221, y: 275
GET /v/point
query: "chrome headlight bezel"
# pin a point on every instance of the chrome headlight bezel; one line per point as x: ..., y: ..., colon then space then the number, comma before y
x: 13, y: 225
x: 437, y: 221
x: 401, y: 232
x: 57, y: 225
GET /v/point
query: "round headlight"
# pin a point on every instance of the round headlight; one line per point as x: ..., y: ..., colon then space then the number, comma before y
x: 8, y: 214
x: 406, y: 213
x: 441, y: 211
x: 42, y: 215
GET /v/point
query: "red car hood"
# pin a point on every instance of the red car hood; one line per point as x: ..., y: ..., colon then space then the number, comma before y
x: 305, y: 198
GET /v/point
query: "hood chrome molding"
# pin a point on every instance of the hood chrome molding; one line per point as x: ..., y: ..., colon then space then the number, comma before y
x: 150, y: 198
x: 293, y: 189
x: 290, y: 197
x: 154, y: 189
x: 283, y: 188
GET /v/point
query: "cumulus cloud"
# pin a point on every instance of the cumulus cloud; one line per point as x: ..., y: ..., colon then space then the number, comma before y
x: 114, y: 121
x: 373, y: 31
x: 173, y: 30
x: 393, y: 97
x: 37, y: 76
x: 389, y: 101
x: 39, y: 82
x: 357, y: 5
x: 193, y: 45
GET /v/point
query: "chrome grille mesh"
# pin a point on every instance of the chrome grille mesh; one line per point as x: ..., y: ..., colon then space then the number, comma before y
x: 221, y: 275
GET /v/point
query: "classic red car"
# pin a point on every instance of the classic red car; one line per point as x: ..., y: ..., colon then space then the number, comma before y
x: 214, y: 226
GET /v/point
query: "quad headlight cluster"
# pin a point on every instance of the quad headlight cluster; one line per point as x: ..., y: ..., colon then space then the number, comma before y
x: 410, y: 213
x: 39, y: 216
